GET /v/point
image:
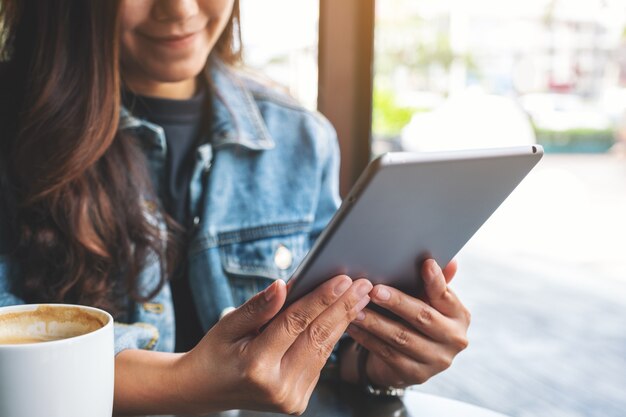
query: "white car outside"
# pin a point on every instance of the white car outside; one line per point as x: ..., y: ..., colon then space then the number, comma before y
x: 469, y: 120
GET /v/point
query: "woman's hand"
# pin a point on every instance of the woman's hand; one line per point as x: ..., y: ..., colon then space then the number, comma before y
x: 237, y: 366
x: 434, y: 333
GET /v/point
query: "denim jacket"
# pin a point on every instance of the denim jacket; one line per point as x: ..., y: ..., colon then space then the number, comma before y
x: 264, y: 185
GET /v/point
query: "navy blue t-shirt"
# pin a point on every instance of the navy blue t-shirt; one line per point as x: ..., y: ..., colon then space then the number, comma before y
x: 184, y: 122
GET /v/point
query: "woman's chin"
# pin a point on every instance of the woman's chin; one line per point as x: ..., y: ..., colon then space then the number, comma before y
x: 178, y: 73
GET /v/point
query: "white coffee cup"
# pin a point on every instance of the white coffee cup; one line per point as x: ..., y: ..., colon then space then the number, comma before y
x: 71, y: 376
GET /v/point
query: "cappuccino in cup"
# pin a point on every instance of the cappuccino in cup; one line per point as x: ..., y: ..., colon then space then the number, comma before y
x: 56, y: 360
x: 25, y: 340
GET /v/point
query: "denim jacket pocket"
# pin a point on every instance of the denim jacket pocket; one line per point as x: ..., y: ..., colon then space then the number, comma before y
x: 254, y: 264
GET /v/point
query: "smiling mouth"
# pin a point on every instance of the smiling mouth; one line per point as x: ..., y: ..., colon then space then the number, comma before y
x: 173, y: 40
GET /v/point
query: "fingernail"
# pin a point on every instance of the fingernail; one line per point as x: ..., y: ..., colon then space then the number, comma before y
x: 434, y: 268
x: 364, y: 289
x: 343, y: 286
x: 383, y: 294
x: 270, y: 292
x: 360, y: 316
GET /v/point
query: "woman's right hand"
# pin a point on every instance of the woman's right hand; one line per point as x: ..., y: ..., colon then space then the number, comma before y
x: 237, y: 366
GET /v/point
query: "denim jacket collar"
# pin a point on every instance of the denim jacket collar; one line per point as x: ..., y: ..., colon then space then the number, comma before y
x: 236, y: 119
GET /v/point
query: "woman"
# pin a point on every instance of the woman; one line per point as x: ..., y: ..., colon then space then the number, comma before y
x: 143, y: 174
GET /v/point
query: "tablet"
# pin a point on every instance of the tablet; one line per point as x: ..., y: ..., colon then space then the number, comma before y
x: 408, y: 207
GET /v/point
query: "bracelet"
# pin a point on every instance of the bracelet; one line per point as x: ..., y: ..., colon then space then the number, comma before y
x: 365, y: 382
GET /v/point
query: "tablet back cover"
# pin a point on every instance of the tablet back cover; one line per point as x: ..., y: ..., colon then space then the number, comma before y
x: 409, y: 207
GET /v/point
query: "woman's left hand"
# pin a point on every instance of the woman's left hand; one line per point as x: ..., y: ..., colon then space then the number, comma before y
x: 434, y: 333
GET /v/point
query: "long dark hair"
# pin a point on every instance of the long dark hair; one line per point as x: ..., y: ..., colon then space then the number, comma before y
x: 73, y: 186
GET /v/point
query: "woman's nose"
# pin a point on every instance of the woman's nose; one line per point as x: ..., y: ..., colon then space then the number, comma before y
x: 174, y: 10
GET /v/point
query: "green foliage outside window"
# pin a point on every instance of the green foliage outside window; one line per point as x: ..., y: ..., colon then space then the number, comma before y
x: 389, y: 118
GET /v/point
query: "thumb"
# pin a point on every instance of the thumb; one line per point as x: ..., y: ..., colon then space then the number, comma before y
x: 256, y: 312
x: 436, y: 288
x: 450, y: 270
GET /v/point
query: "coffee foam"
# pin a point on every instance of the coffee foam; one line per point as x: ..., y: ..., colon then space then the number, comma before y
x: 49, y: 322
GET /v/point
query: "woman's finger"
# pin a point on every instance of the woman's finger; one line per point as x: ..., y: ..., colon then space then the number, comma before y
x: 415, y: 312
x: 312, y: 348
x: 256, y: 312
x: 450, y: 270
x: 287, y: 326
x: 410, y: 342
x: 401, y: 367
x: 437, y: 292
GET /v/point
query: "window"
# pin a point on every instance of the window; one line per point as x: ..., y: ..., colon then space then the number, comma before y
x: 505, y: 72
x: 544, y: 278
x: 280, y: 40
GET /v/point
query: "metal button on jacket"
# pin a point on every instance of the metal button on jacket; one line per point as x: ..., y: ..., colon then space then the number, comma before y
x: 283, y: 257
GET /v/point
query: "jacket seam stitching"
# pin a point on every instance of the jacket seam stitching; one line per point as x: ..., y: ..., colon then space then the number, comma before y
x: 259, y: 232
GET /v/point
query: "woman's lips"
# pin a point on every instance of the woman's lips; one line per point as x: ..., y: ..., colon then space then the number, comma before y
x: 176, y: 41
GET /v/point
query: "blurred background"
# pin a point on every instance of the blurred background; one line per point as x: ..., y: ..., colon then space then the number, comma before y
x: 545, y: 278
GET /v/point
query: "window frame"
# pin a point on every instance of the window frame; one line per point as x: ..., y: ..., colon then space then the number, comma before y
x: 345, y: 68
